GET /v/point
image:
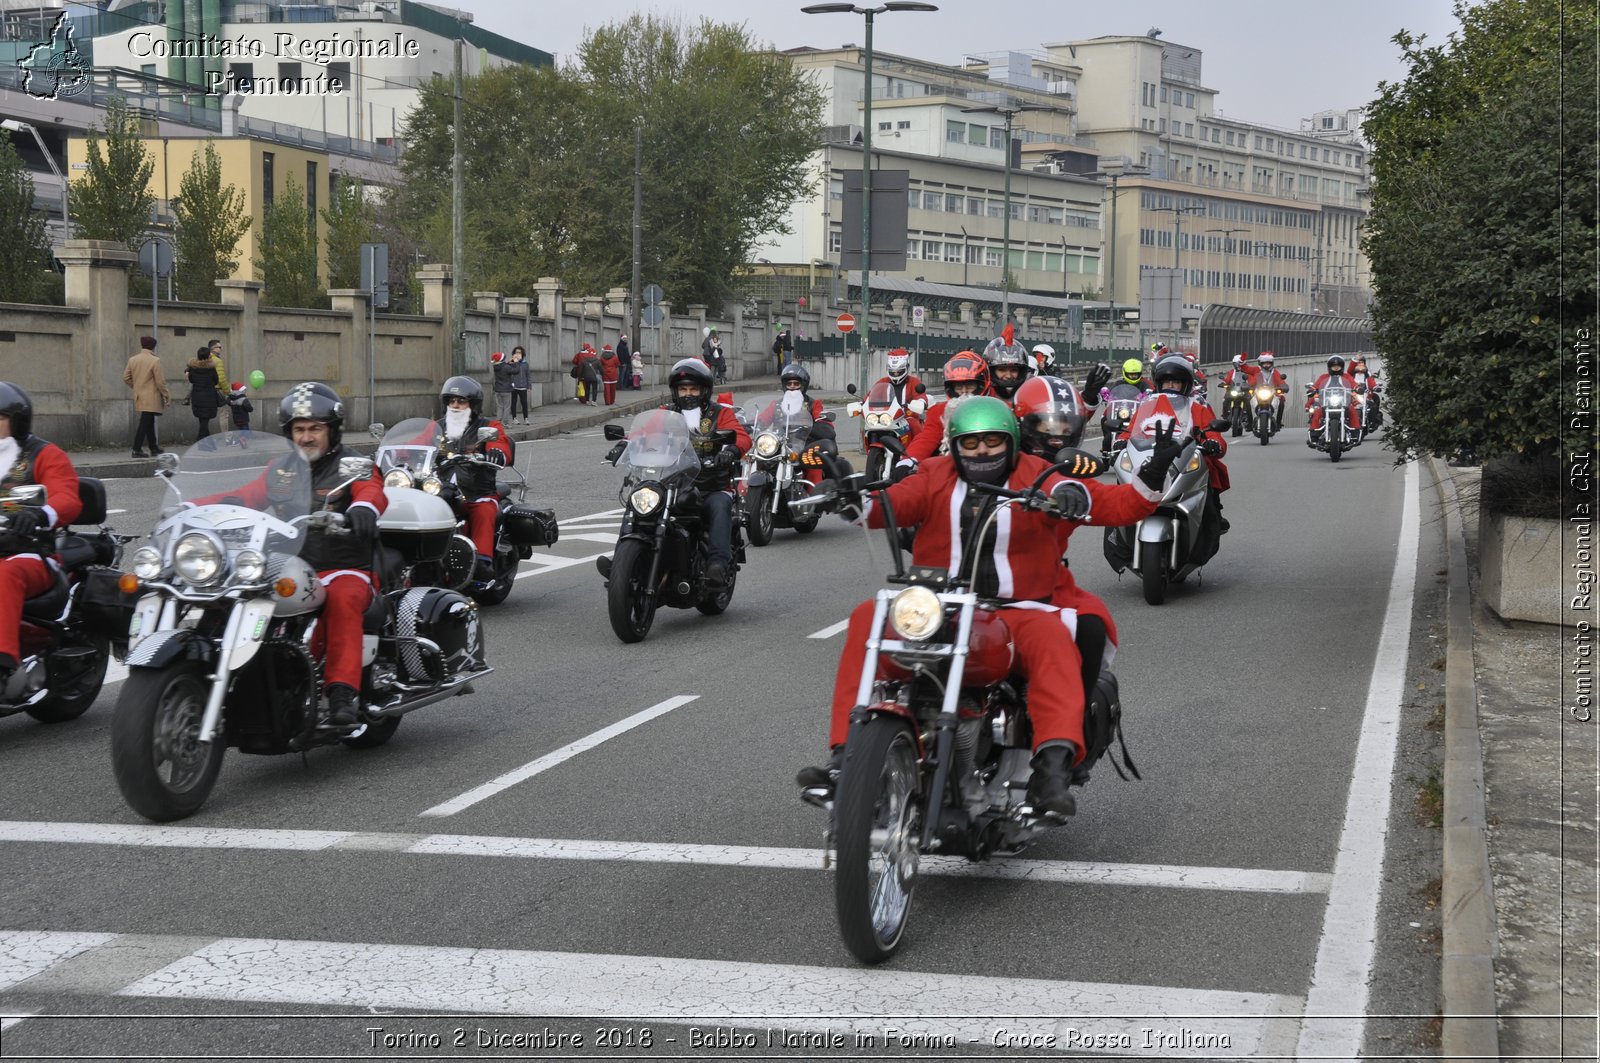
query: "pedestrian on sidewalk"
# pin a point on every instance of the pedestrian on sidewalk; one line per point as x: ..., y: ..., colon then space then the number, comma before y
x: 239, y: 410
x: 625, y: 362
x: 502, y: 386
x: 519, y: 383
x: 586, y: 371
x: 609, y: 370
x: 215, y: 347
x: 783, y: 346
x: 204, y: 387
x: 150, y: 396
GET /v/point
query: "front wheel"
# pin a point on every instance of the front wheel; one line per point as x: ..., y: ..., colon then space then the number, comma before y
x: 1264, y: 428
x: 86, y: 673
x: 632, y: 608
x: 1335, y: 450
x: 804, y: 525
x: 758, y: 503
x: 1154, y: 573
x: 877, y: 820
x: 163, y: 769
x: 877, y: 459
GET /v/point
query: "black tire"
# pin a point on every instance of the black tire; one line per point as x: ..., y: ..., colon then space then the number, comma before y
x: 758, y: 505
x: 496, y: 592
x: 879, y: 793
x: 631, y: 616
x: 1264, y: 428
x: 877, y: 462
x: 1154, y: 575
x: 163, y: 773
x: 375, y: 735
x: 1335, y: 450
x: 716, y: 604
x: 71, y: 700
x: 804, y: 525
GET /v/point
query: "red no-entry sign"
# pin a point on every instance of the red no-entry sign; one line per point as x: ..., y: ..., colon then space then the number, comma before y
x: 846, y: 323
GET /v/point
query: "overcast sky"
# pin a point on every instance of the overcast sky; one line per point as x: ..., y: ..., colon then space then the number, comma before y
x: 1272, y: 62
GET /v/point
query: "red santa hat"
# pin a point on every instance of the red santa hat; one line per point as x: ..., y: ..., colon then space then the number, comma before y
x: 497, y: 356
x: 607, y: 347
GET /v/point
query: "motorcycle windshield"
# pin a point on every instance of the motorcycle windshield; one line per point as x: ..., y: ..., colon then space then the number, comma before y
x: 411, y: 445
x: 232, y: 482
x: 783, y: 418
x: 881, y: 397
x: 1156, y: 413
x: 659, y: 446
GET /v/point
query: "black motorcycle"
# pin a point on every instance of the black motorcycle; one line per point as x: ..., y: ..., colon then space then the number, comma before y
x: 662, y: 547
x: 1236, y: 402
x: 225, y: 622
x: 69, y: 633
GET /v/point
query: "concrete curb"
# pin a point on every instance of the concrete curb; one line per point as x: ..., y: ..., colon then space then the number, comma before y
x: 1467, y: 893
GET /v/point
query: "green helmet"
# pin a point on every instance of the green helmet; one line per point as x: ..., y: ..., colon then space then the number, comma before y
x: 977, y: 415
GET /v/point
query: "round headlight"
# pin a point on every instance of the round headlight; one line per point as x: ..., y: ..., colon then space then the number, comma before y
x: 916, y: 613
x: 1263, y: 394
x: 147, y: 562
x: 249, y: 566
x: 198, y: 558
x: 644, y: 500
x: 879, y: 420
x: 431, y: 485
x: 397, y: 478
x: 767, y: 445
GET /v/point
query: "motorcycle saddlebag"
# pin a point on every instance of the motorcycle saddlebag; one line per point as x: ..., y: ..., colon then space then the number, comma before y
x: 103, y: 607
x: 527, y: 526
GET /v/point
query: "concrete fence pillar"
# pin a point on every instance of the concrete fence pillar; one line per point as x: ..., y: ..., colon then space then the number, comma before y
x: 97, y: 280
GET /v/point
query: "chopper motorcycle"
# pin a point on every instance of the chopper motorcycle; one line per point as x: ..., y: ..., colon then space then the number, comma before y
x: 773, y: 477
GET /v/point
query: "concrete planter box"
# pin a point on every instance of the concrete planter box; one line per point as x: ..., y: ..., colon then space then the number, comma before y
x: 1520, y: 567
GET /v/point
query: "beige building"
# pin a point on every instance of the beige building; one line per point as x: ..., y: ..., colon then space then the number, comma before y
x: 260, y: 169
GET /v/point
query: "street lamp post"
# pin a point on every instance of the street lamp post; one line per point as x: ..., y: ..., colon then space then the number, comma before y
x: 16, y: 126
x: 866, y: 155
x: 1009, y: 111
x: 1114, y: 173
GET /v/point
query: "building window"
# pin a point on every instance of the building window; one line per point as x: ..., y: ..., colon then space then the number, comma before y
x: 975, y: 206
x: 288, y: 72
x: 836, y: 191
x: 902, y: 125
x: 997, y: 208
x: 955, y: 132
x: 1188, y: 129
x: 1163, y: 94
x: 1188, y: 99
x: 1230, y: 138
x: 1216, y: 136
x: 932, y: 200
x: 266, y: 178
x: 997, y: 138
x: 148, y: 69
x: 952, y: 252
x: 978, y: 135
x: 953, y: 203
x: 339, y: 74
x: 991, y: 256
x: 884, y: 127
x: 244, y: 76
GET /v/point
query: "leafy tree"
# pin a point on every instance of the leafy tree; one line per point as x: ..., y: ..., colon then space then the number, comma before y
x: 25, y: 255
x: 211, y: 220
x: 727, y: 128
x: 1482, y: 236
x: 287, y: 258
x: 113, y: 201
x: 350, y: 220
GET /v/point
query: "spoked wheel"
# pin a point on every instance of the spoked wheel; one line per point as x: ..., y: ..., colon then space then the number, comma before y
x: 86, y: 668
x: 163, y: 769
x: 758, y: 503
x: 1154, y: 575
x: 632, y: 610
x: 877, y: 820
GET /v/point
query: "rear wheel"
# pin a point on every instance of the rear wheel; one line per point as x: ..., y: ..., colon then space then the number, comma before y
x: 632, y: 611
x: 1154, y: 573
x: 877, y: 820
x: 758, y: 503
x: 375, y: 735
x: 84, y: 667
x: 496, y: 592
x: 163, y: 770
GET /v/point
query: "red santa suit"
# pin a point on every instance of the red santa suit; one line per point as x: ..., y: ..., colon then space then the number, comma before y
x: 26, y: 572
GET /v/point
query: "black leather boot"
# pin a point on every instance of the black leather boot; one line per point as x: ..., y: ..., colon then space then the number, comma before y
x: 342, y: 706
x: 1052, y: 774
x: 827, y: 775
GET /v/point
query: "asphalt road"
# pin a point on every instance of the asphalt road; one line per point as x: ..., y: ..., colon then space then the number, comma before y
x: 655, y: 871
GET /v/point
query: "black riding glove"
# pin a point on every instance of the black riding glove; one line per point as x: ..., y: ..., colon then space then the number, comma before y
x: 495, y: 456
x: 902, y: 470
x: 616, y: 452
x: 727, y: 458
x: 1070, y: 500
x: 362, y: 522
x: 1210, y: 447
x: 1153, y: 472
x: 1099, y: 376
x: 27, y: 520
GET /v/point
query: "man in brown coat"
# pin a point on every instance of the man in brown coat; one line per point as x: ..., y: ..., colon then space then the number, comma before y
x: 150, y: 396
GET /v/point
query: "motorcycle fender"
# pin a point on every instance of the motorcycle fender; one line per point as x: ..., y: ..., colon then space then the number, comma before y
x: 895, y: 708
x: 257, y: 614
x: 161, y: 648
x: 1156, y: 529
x: 146, y: 617
x: 760, y: 478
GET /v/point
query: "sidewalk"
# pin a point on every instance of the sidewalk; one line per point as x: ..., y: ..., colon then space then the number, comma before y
x: 1538, y: 823
x: 544, y: 422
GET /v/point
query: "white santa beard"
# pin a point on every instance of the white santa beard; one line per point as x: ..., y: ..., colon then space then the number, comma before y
x: 455, y: 422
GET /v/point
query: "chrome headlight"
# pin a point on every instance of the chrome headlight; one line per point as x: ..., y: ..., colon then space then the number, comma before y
x: 1335, y: 401
x: 249, y: 566
x: 198, y: 558
x: 1263, y: 394
x: 916, y: 613
x: 767, y: 445
x: 645, y: 499
x: 398, y: 478
x: 147, y: 562
x: 880, y: 420
x: 431, y: 485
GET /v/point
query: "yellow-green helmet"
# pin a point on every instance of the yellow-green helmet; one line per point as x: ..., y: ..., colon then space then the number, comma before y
x: 1133, y: 370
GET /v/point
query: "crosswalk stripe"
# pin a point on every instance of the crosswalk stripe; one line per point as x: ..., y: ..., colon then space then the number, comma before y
x: 1052, y: 872
x: 954, y: 1011
x: 590, y: 518
x: 25, y: 953
x: 830, y: 631
x: 554, y: 564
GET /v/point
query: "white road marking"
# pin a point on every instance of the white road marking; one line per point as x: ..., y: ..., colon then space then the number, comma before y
x: 550, y: 760
x: 592, y: 517
x: 1050, y: 872
x: 109, y: 512
x: 25, y: 953
x: 116, y: 672
x: 551, y: 564
x: 1349, y: 929
x: 593, y: 537
x: 830, y: 631
x: 8, y: 1021
x: 943, y: 1010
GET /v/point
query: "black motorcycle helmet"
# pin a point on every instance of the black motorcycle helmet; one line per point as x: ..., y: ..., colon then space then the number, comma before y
x: 312, y: 401
x: 1336, y: 365
x: 1173, y: 367
x: 461, y: 387
x: 690, y: 371
x: 15, y: 404
x: 794, y: 371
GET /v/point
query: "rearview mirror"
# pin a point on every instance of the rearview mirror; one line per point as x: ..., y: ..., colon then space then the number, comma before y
x: 355, y: 468
x: 488, y: 435
x: 850, y: 389
x: 376, y: 429
x: 614, y: 432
